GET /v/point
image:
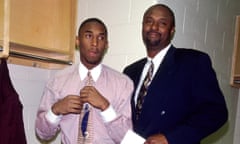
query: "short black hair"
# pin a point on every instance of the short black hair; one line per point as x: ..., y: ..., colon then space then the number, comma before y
x: 93, y: 20
x: 164, y: 6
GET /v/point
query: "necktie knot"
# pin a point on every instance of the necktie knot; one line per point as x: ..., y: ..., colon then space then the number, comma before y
x: 89, y: 81
x: 150, y: 70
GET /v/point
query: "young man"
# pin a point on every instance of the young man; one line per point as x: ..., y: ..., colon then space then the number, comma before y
x: 69, y: 92
x: 182, y: 103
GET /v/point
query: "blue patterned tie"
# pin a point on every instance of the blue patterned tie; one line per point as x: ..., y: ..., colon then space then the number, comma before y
x: 85, y: 135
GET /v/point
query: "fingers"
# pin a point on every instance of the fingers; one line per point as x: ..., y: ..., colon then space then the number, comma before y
x: 89, y: 94
x: 73, y: 104
x: 156, y: 139
x: 69, y: 104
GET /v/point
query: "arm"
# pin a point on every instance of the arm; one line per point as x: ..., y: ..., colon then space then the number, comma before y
x: 51, y: 109
x: 123, y: 122
x: 116, y: 115
x: 46, y: 129
x: 209, y: 107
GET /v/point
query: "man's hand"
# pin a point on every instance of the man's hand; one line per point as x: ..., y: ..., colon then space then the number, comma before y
x: 156, y: 139
x: 89, y: 94
x: 67, y: 105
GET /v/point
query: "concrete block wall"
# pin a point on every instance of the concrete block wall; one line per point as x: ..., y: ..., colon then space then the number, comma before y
x: 29, y: 83
x: 206, y: 25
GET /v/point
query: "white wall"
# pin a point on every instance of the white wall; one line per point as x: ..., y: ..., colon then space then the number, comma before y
x: 29, y: 83
x: 207, y: 25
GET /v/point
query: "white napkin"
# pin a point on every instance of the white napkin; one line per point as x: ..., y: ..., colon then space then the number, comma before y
x: 131, y: 137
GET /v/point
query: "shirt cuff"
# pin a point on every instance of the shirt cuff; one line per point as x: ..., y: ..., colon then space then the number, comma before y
x: 52, y: 118
x: 109, y: 114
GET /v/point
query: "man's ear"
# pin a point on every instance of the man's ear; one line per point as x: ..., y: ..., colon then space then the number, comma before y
x: 77, y: 42
x: 106, y: 47
x: 172, y: 32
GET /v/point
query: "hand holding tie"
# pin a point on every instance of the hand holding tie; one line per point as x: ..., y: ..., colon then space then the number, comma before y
x: 67, y: 105
x: 90, y: 94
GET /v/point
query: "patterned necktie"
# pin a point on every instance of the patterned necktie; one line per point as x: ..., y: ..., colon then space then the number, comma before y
x: 85, y: 134
x: 143, y: 90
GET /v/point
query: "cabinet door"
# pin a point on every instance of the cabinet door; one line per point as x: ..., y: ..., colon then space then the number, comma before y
x: 4, y: 31
x: 42, y: 28
x: 235, y: 73
x: 1, y: 23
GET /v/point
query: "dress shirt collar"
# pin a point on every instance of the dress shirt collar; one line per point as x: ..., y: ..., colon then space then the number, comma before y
x: 95, y: 72
x: 157, y: 60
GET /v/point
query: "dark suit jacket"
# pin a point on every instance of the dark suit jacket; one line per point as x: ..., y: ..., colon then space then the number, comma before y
x: 11, y: 119
x: 184, y: 101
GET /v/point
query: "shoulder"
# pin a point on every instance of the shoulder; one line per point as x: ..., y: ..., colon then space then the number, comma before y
x: 135, y: 66
x: 63, y: 75
x: 190, y: 55
x: 192, y: 59
x: 137, y: 63
x: 190, y: 52
x: 115, y: 75
x: 67, y: 71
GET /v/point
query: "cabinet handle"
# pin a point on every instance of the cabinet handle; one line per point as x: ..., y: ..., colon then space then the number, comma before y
x: 46, y: 59
x: 16, y: 54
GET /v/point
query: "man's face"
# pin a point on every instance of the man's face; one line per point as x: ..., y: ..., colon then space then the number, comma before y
x: 157, y: 29
x: 92, y: 44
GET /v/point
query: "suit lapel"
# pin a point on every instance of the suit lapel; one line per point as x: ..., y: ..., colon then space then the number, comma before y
x: 168, y: 64
x: 166, y: 68
x: 135, y: 76
x: 161, y: 81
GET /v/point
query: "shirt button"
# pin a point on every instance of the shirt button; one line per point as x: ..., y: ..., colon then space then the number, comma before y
x: 163, y: 112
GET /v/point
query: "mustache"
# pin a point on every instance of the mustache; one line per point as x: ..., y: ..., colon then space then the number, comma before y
x: 154, y: 32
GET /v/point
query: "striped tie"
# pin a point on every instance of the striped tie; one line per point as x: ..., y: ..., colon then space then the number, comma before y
x: 85, y: 134
x: 143, y: 90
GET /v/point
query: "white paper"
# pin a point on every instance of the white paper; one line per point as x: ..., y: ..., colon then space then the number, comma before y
x: 132, y: 138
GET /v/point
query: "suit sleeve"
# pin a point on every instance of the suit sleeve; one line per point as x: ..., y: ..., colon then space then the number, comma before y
x: 210, y: 111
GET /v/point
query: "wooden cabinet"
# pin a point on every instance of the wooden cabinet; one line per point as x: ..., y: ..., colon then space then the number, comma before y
x: 42, y: 32
x: 1, y: 25
x: 235, y: 73
x: 4, y: 28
